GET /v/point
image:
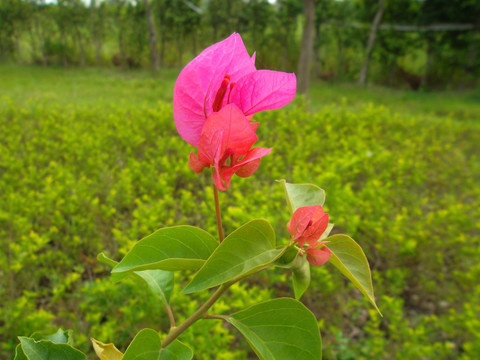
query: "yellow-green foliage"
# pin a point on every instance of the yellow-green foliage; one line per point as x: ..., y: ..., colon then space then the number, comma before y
x: 77, y: 180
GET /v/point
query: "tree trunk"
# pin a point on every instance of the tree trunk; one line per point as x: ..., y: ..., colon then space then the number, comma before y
x: 194, y: 43
x: 306, y: 51
x: 41, y: 35
x: 17, y: 47
x: 180, y: 50
x: 340, y: 66
x: 80, y: 46
x: 95, y: 33
x: 428, y: 63
x: 316, y: 51
x: 162, y: 50
x: 285, y: 54
x: 152, y: 37
x: 371, y: 41
x: 34, y: 42
x: 472, y: 53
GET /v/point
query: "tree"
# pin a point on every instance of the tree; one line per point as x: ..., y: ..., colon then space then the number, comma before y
x: 306, y: 50
x: 152, y: 37
x: 371, y: 41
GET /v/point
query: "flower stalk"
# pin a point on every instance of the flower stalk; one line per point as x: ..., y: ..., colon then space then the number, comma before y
x: 217, y: 208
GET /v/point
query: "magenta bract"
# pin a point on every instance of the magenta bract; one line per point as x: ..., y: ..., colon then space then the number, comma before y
x: 222, y: 74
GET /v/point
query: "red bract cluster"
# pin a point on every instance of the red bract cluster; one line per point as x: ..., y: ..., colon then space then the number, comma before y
x: 307, y: 226
x: 226, y: 141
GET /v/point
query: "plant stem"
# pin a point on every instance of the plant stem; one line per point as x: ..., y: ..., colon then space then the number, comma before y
x: 217, y: 208
x: 217, y: 317
x: 170, y: 315
x: 175, y: 332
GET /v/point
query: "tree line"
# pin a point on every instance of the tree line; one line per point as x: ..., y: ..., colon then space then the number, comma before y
x: 405, y: 43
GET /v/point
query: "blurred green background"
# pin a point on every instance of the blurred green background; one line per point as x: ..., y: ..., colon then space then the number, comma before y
x: 90, y: 160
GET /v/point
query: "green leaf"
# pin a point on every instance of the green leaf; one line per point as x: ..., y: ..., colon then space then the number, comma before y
x: 160, y: 283
x: 47, y: 350
x: 247, y: 249
x: 170, y: 249
x: 104, y: 259
x: 348, y: 257
x: 176, y: 351
x: 300, y: 276
x: 147, y: 345
x: 106, y: 351
x: 280, y: 329
x: 286, y: 261
x: 300, y: 195
x: 60, y: 337
x: 19, y: 354
x: 327, y: 232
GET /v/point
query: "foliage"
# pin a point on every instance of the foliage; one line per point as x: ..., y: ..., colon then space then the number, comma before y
x: 402, y: 185
x: 116, y: 32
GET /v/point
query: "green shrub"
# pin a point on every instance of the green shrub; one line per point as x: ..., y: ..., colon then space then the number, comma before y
x: 79, y: 179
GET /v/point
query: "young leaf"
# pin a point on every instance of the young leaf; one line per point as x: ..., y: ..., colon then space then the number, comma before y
x: 349, y: 258
x: 106, y: 351
x: 170, y: 249
x: 104, y: 259
x: 280, y: 329
x: 300, y: 276
x: 45, y: 349
x: 287, y: 260
x: 160, y: 283
x: 147, y: 345
x: 300, y: 195
x: 247, y: 249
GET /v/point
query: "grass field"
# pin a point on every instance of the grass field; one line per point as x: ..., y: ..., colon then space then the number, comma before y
x: 90, y: 161
x: 95, y: 87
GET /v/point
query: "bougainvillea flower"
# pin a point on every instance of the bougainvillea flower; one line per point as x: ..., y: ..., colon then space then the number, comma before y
x: 307, y: 225
x: 225, y: 144
x: 224, y: 74
x: 318, y: 254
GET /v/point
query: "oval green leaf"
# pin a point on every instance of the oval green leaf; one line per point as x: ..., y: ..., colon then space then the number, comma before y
x: 170, y: 249
x: 287, y: 260
x: 247, y: 249
x: 300, y: 275
x: 349, y: 258
x: 60, y: 337
x: 280, y: 329
x: 104, y: 259
x: 147, y: 345
x: 48, y: 350
x: 19, y: 354
x: 300, y: 195
x: 160, y: 283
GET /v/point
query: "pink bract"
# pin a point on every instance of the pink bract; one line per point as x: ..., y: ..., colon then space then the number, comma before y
x: 225, y: 144
x: 307, y: 225
x: 318, y: 254
x: 222, y: 74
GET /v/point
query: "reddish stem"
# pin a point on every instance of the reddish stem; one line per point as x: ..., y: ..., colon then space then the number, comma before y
x: 217, y: 208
